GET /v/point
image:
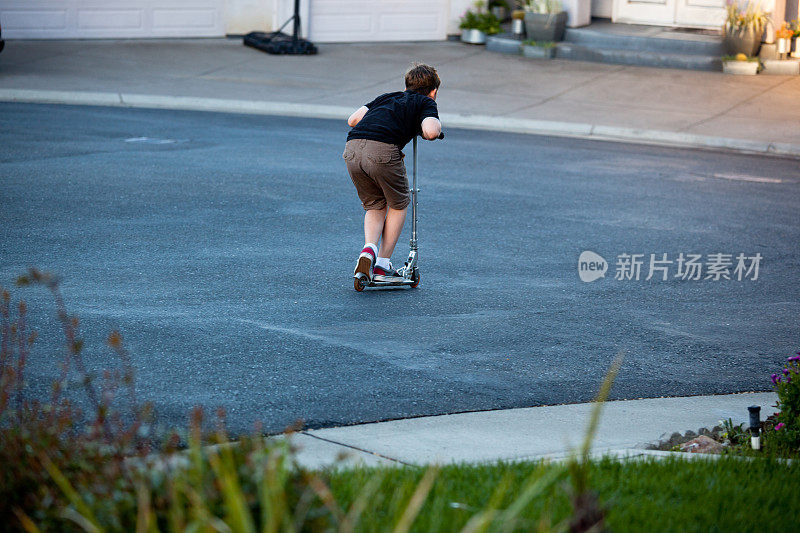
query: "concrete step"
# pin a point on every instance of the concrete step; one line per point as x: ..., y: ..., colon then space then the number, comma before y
x: 665, y: 43
x: 503, y: 43
x: 644, y: 58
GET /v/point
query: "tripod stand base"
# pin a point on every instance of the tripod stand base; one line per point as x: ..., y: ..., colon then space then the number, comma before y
x: 279, y: 43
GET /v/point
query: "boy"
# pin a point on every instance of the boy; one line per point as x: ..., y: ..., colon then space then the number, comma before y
x: 374, y: 161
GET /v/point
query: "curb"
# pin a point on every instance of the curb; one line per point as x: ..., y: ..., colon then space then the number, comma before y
x: 472, y: 122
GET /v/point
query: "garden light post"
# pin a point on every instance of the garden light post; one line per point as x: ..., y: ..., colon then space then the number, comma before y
x: 755, y: 426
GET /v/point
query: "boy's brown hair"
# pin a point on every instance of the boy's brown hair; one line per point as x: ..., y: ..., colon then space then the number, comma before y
x: 422, y: 79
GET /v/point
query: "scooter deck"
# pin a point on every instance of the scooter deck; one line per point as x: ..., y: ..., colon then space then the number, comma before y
x: 361, y: 283
x: 390, y: 283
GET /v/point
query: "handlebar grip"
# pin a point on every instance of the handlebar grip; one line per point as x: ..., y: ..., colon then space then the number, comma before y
x: 441, y: 135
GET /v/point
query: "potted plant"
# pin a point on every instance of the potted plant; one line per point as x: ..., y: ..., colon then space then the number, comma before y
x: 545, y: 20
x: 476, y: 25
x: 740, y: 64
x: 743, y: 28
x: 499, y: 8
x: 783, y: 40
x: 540, y: 49
x: 795, y: 26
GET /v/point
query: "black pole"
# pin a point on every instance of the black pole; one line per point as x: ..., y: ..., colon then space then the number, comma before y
x: 295, y: 35
x: 755, y: 426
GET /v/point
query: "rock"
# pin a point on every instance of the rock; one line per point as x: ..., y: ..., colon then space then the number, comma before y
x: 674, y: 439
x: 702, y: 444
x: 690, y: 434
x: 704, y: 431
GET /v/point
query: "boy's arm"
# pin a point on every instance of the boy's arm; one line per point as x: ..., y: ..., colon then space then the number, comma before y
x: 431, y: 128
x: 357, y: 115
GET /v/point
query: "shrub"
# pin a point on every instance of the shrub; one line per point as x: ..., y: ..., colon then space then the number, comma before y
x: 784, y: 435
x: 480, y: 20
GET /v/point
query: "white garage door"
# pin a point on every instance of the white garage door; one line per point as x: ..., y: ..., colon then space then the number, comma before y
x: 333, y: 21
x: 87, y: 19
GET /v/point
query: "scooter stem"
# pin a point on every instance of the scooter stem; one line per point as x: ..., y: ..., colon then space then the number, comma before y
x: 414, y: 201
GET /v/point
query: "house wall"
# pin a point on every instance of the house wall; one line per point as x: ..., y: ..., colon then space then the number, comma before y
x: 602, y: 8
x: 457, y: 10
x: 244, y: 16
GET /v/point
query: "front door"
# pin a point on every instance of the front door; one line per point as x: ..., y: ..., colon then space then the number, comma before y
x: 703, y: 13
x: 688, y: 13
x: 658, y: 12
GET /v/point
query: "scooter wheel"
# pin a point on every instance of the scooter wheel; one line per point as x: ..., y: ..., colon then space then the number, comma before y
x: 415, y: 279
x: 358, y: 284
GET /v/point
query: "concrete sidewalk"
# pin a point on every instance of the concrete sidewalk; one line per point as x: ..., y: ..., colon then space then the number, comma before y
x: 625, y: 429
x: 480, y: 89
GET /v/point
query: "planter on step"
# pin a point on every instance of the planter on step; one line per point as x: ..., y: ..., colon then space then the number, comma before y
x: 742, y: 68
x: 547, y: 51
x: 545, y: 26
x: 473, y: 37
x: 746, y: 41
x: 784, y: 47
x: 796, y: 48
x: 579, y: 12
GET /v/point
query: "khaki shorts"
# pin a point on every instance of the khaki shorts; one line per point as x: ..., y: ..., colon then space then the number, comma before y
x: 378, y: 173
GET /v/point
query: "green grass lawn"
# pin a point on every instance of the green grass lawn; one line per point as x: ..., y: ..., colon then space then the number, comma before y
x: 650, y: 495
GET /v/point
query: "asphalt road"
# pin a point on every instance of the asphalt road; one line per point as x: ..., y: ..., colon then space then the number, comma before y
x: 222, y: 247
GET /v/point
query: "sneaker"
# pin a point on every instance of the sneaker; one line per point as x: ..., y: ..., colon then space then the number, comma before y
x: 365, y: 262
x: 379, y: 274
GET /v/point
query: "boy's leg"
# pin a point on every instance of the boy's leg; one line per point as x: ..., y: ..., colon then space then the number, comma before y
x: 392, y: 228
x: 374, y: 203
x: 373, y: 225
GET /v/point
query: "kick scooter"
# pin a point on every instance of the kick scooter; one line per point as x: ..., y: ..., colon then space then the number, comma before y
x: 410, y: 270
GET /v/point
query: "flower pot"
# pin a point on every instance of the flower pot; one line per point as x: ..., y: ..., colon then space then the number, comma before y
x: 796, y: 48
x: 545, y: 26
x: 784, y: 45
x: 746, y: 41
x: 579, y: 12
x: 538, y: 52
x: 743, y: 68
x: 473, y: 37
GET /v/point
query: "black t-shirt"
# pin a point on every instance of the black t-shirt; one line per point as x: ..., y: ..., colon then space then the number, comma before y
x: 395, y: 118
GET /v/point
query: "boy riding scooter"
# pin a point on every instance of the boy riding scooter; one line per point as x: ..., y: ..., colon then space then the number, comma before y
x: 380, y: 129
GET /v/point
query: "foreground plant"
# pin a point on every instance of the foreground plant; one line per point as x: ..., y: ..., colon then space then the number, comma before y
x: 37, y: 439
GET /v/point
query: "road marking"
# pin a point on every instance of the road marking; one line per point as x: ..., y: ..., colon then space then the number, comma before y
x: 151, y: 140
x: 746, y: 177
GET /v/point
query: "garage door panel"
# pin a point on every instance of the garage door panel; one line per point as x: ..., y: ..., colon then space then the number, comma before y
x: 78, y: 19
x: 411, y: 23
x: 378, y: 20
x: 110, y: 19
x: 183, y: 18
x: 344, y: 24
x: 338, y: 7
x: 50, y: 19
